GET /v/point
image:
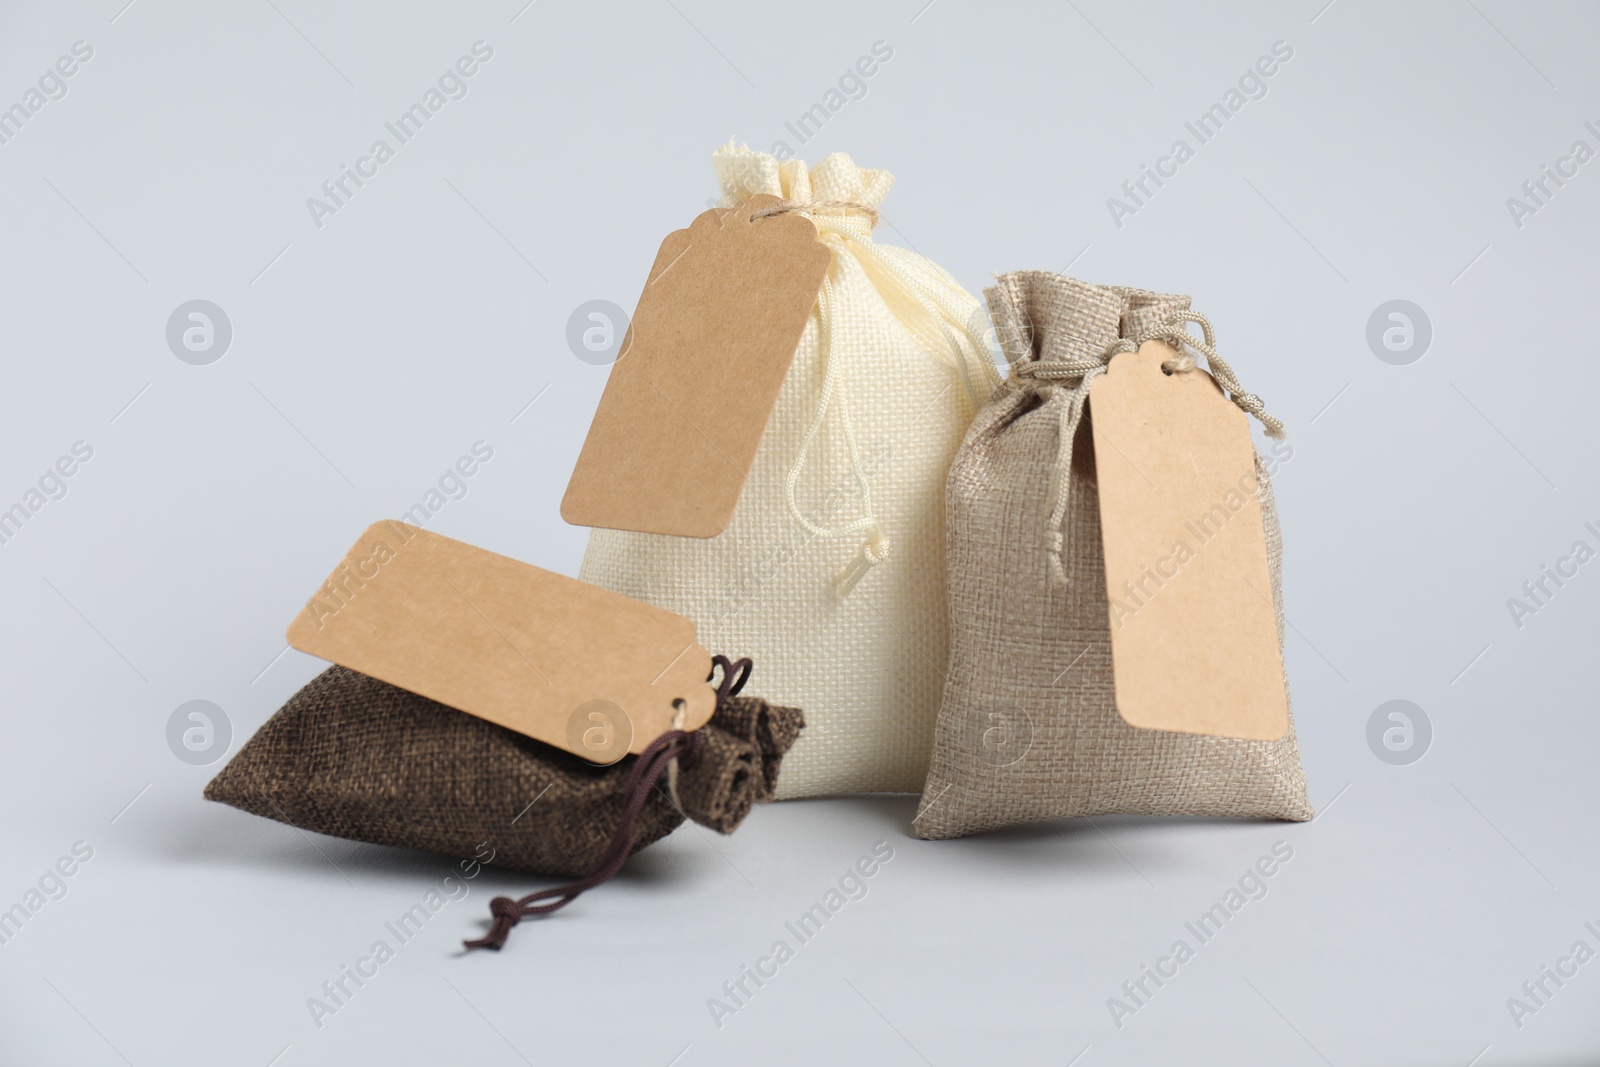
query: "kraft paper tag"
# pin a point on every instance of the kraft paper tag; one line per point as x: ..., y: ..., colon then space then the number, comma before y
x: 1194, y: 637
x: 590, y: 671
x: 699, y: 372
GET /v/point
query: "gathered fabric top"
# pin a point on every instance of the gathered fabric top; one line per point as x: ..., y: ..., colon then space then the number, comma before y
x: 835, y: 182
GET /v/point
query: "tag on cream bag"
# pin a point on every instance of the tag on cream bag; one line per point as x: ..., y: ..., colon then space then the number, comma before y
x: 830, y: 572
x: 699, y: 371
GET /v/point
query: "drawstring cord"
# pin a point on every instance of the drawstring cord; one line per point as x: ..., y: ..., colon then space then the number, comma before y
x: 1174, y: 332
x: 660, y: 757
x: 647, y: 771
x: 835, y: 230
x: 877, y: 545
x: 735, y: 673
x: 1084, y: 370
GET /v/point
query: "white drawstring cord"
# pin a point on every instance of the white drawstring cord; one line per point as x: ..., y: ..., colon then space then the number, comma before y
x: 877, y: 547
x: 835, y: 231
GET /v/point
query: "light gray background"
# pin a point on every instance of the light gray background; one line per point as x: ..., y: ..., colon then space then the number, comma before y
x: 370, y: 353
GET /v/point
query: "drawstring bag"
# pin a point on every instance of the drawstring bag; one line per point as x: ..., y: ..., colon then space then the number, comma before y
x: 1029, y: 728
x: 831, y: 573
x: 354, y: 757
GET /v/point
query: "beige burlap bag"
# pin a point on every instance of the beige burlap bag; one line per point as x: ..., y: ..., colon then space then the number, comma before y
x: 1029, y: 728
x: 831, y: 573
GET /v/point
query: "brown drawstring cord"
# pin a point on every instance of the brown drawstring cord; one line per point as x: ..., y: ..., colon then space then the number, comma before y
x: 646, y: 772
x: 734, y: 674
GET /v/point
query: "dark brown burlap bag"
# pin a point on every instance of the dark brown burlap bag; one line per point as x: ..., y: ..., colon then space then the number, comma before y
x: 354, y: 757
x: 1028, y: 729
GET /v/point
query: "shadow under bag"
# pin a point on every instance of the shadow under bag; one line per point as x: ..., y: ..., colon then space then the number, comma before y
x: 1030, y: 662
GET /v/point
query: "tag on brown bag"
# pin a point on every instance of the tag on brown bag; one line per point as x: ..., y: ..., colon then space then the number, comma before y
x: 567, y: 663
x: 699, y: 372
x: 1194, y: 637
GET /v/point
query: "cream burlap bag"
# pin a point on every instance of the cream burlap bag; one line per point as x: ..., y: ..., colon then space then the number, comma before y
x: 1029, y: 728
x: 831, y: 574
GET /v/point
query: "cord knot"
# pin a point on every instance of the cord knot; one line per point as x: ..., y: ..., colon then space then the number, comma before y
x: 506, y: 913
x: 874, y: 552
x: 646, y: 771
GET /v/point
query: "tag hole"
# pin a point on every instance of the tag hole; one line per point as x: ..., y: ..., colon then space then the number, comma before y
x: 679, y: 704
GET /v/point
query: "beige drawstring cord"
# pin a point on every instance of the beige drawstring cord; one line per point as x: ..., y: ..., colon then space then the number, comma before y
x: 1085, y: 370
x: 875, y: 549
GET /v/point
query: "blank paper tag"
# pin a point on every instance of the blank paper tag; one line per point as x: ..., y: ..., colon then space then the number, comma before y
x: 562, y: 661
x: 698, y: 375
x: 1194, y: 637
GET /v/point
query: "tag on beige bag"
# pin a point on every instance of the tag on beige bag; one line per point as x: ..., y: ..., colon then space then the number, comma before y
x: 699, y: 372
x: 562, y: 661
x: 1194, y: 638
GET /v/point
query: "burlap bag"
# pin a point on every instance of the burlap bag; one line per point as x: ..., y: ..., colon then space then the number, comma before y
x: 847, y: 484
x: 354, y: 757
x: 1029, y: 728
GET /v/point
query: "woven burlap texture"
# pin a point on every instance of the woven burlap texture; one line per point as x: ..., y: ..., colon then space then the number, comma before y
x: 1030, y: 664
x: 350, y: 756
x: 865, y: 667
